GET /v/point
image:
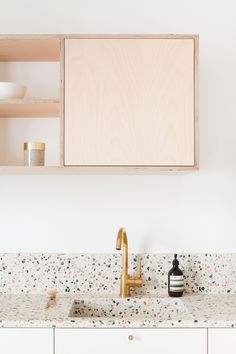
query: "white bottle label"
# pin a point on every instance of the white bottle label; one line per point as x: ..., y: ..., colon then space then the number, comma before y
x: 176, y: 283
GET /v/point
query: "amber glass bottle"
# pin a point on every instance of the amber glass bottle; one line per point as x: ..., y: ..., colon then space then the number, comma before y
x: 175, y: 280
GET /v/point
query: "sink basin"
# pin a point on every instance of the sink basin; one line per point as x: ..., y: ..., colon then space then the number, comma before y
x: 162, y: 308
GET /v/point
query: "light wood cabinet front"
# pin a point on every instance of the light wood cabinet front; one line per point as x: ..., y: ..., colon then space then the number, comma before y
x: 131, y: 341
x: 130, y: 101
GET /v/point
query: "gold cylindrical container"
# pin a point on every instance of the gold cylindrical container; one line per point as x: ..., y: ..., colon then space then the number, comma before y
x: 34, y: 153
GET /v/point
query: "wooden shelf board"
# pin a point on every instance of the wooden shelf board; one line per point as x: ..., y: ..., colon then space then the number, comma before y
x: 29, y: 48
x: 29, y: 108
x: 82, y: 170
x: 47, y: 47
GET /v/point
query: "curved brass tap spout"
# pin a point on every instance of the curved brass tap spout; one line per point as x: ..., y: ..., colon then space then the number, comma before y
x: 122, y: 239
x: 126, y: 281
x: 122, y: 242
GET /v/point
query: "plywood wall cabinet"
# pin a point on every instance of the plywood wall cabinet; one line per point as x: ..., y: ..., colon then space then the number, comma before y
x: 127, y: 103
x: 132, y: 102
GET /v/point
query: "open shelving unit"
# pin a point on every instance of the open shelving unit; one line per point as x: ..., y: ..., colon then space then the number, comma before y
x: 36, y: 117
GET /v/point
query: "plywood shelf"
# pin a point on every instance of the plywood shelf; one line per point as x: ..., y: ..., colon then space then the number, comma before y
x: 29, y: 48
x: 29, y: 108
x: 86, y: 170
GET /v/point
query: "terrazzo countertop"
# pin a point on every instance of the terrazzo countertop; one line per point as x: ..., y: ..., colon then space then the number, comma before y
x: 112, y: 312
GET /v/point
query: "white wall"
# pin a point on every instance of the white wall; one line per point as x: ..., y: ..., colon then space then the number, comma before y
x: 162, y: 213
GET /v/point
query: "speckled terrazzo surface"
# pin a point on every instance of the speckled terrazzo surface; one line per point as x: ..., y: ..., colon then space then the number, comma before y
x: 100, y: 273
x: 91, y: 282
x: 189, y: 311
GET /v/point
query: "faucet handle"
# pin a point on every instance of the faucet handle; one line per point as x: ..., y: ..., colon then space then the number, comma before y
x: 139, y: 275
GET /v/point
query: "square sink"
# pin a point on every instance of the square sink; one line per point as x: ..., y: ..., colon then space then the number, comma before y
x: 161, y: 308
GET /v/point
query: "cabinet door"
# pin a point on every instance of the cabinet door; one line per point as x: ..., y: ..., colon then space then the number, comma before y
x: 130, y: 102
x: 133, y: 341
x: 26, y: 341
x: 222, y: 341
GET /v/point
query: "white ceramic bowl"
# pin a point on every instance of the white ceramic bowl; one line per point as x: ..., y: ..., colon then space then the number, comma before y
x: 11, y: 90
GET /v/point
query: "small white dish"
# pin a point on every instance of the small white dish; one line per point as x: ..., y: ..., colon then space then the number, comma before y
x: 9, y: 90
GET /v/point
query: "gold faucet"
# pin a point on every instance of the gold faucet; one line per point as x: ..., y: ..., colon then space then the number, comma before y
x: 126, y: 281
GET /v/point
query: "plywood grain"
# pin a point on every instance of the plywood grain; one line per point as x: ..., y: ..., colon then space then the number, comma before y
x: 29, y: 108
x: 29, y: 48
x: 129, y: 102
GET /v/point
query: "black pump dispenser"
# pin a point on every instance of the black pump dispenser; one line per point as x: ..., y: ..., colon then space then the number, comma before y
x: 175, y: 262
x: 175, y: 279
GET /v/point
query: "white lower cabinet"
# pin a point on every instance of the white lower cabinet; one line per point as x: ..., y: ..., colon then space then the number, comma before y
x: 26, y: 341
x: 131, y: 341
x: 222, y: 341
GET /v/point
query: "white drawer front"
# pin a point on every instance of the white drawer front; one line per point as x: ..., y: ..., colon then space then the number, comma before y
x: 222, y: 341
x: 131, y: 341
x: 26, y: 341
